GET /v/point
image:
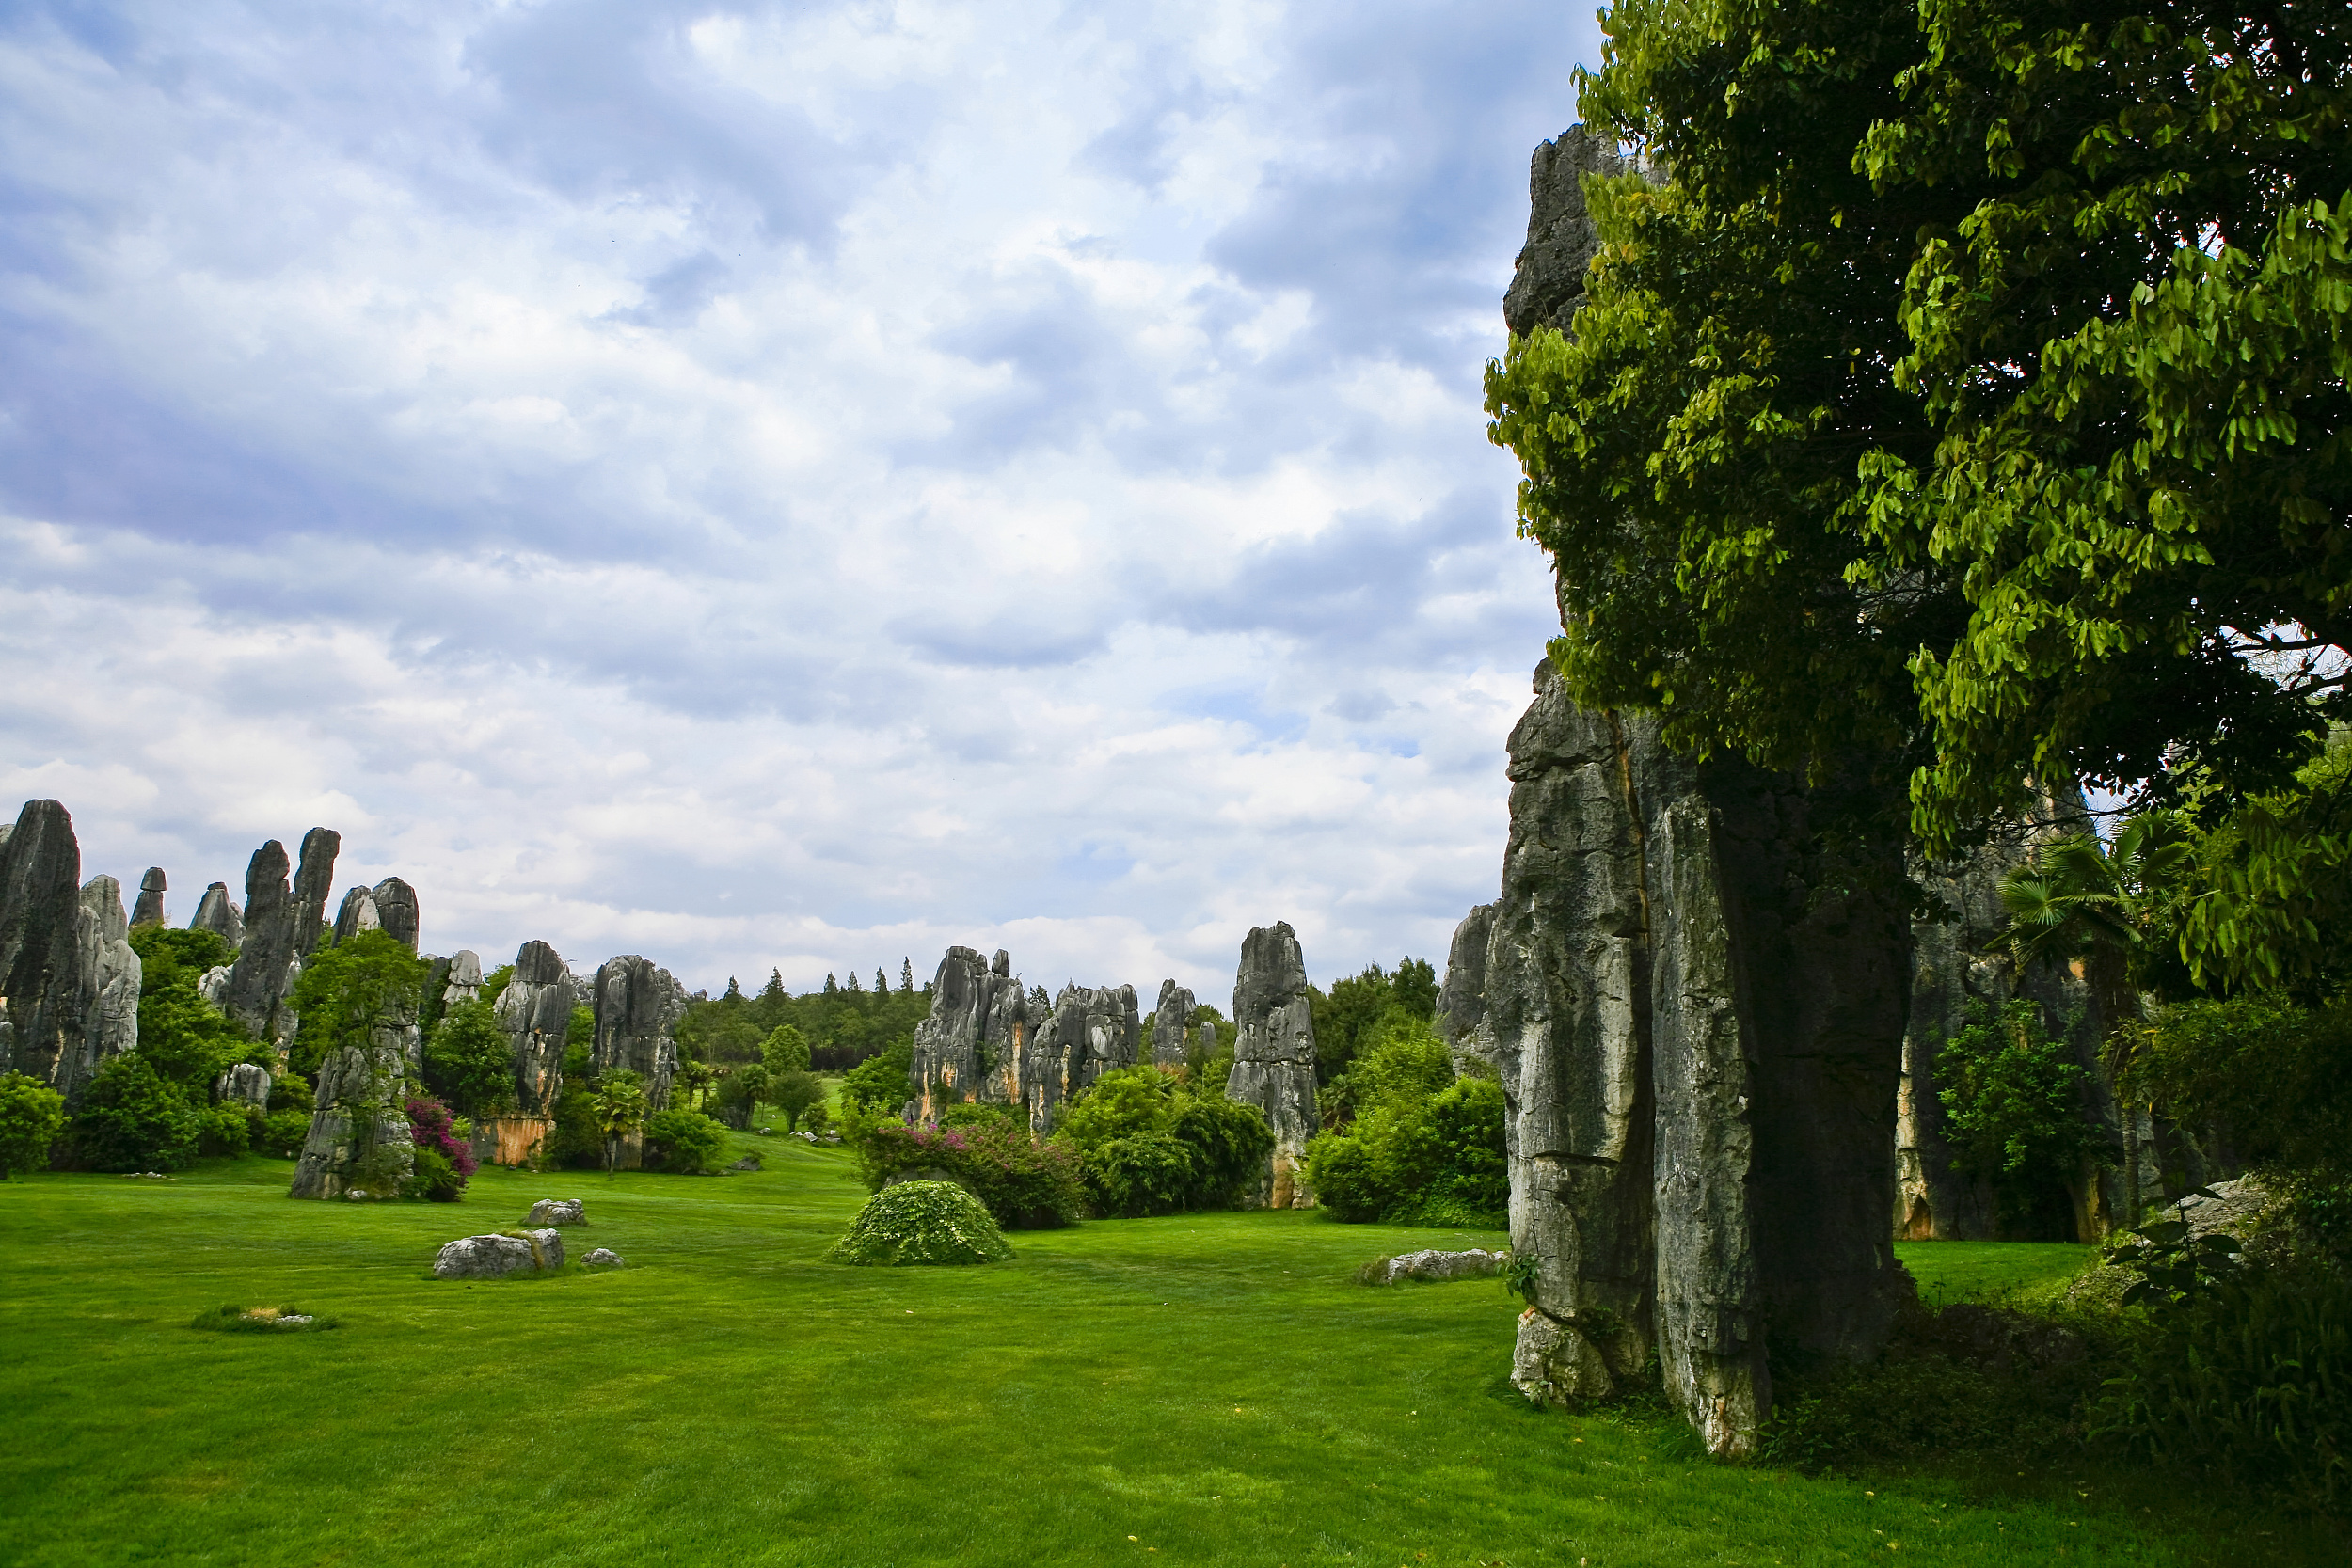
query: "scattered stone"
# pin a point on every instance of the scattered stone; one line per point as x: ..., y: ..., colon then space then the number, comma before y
x: 291, y: 1320
x: 2234, y: 1209
x: 748, y: 1163
x: 214, y: 912
x: 149, y: 910
x: 603, y: 1257
x: 558, y: 1210
x: 1432, y: 1264
x: 1273, y: 1057
x: 500, y: 1254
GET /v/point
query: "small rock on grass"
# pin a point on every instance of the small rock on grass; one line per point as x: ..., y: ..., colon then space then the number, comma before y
x: 603, y: 1257
x: 1475, y: 1264
x: 558, y: 1210
x: 495, y: 1256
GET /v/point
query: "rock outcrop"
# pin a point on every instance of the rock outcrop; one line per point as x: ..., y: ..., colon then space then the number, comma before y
x: 535, y: 1012
x: 358, y: 1138
x: 44, y: 1003
x: 976, y: 1045
x: 216, y: 912
x: 1696, y: 1012
x: 110, y: 973
x: 1273, y: 1057
x: 1548, y: 278
x: 396, y: 909
x: 313, y: 883
x: 495, y: 1256
x: 1092, y: 1030
x: 246, y: 1084
x: 460, y: 978
x: 149, y: 910
x: 638, y: 1004
x: 1462, y: 998
x: 558, y: 1210
x: 356, y: 914
x: 1434, y: 1265
x: 1171, y: 1025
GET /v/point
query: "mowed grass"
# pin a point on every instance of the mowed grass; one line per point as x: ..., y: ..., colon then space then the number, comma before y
x: 1204, y: 1389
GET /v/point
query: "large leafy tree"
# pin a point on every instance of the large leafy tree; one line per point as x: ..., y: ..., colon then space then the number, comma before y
x: 1968, y: 392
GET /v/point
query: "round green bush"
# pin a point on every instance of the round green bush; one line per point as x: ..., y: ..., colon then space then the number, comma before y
x: 922, y: 1221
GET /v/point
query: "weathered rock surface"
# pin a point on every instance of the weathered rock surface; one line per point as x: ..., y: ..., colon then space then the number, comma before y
x: 313, y: 884
x: 1171, y: 1024
x: 358, y: 1138
x: 149, y: 910
x: 1092, y: 1030
x: 535, y: 1010
x: 558, y: 1210
x: 461, y: 980
x: 1548, y: 279
x: 356, y: 914
x: 748, y: 1163
x: 283, y: 926
x: 1273, y: 1057
x: 45, y: 1003
x: 638, y: 1004
x: 217, y: 913
x: 396, y: 908
x: 245, y: 1084
x: 1462, y: 998
x: 1432, y: 1264
x: 976, y: 1043
x: 603, y: 1257
x: 495, y: 1256
x: 214, y: 987
x: 110, y: 973
x: 1697, y: 1014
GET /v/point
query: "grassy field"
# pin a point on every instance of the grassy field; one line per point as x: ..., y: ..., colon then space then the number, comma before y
x: 1207, y: 1389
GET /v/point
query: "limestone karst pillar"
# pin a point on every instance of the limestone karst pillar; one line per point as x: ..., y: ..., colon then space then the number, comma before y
x: 1273, y: 1057
x: 149, y: 910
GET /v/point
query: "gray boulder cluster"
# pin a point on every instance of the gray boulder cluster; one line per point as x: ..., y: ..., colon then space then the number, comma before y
x: 989, y: 1040
x: 69, y: 980
x: 499, y: 1253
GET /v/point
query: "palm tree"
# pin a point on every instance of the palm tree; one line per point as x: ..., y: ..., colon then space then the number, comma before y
x: 2078, y: 899
x: 620, y: 1102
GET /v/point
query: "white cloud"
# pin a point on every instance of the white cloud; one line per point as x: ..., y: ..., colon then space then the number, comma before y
x: 766, y: 486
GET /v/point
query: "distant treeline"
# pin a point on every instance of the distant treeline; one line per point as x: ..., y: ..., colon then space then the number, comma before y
x: 844, y: 1023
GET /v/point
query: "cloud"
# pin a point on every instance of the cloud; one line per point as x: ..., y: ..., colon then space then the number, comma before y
x: 773, y: 485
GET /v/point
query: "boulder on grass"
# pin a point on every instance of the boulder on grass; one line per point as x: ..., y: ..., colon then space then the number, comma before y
x: 1432, y: 1264
x: 603, y: 1257
x: 558, y: 1210
x: 494, y: 1257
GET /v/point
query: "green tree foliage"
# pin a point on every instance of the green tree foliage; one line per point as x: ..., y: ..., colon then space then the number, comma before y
x: 684, y: 1142
x: 347, y: 990
x: 2273, y: 1078
x: 494, y: 987
x: 1152, y: 1143
x: 576, y: 1142
x: 470, y: 1061
x: 1354, y: 1008
x: 31, y: 1117
x: 841, y: 1026
x: 881, y: 1082
x: 2012, y: 1097
x: 785, y: 1050
x: 1971, y: 395
x: 922, y: 1221
x: 1425, y: 1147
x: 620, y: 1105
x: 132, y: 1117
x: 740, y: 1092
x: 793, y: 1093
x: 183, y: 1037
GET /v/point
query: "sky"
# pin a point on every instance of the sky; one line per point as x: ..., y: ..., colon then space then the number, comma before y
x: 778, y: 486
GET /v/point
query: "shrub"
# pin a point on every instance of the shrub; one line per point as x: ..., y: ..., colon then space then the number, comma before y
x: 794, y: 1092
x: 1143, y: 1173
x: 31, y: 1117
x: 683, y: 1142
x: 226, y: 1127
x: 283, y: 1132
x: 922, y: 1221
x: 1151, y: 1144
x: 881, y: 1082
x: 443, y: 1162
x: 2250, y: 1382
x: 232, y: 1319
x: 785, y: 1050
x: 1416, y: 1155
x: 1230, y: 1143
x: 432, y: 1177
x: 1025, y: 1183
x: 133, y: 1118
x: 2012, y: 1095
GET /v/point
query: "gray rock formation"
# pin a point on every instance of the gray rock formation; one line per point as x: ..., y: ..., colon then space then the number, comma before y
x: 217, y: 913
x: 313, y: 883
x: 1548, y: 279
x: 149, y: 910
x: 45, y: 1003
x: 1432, y: 1266
x: 1091, y: 1031
x: 283, y: 924
x: 535, y: 1010
x: 638, y: 1004
x: 358, y: 913
x: 495, y: 1256
x: 603, y: 1257
x: 1696, y: 1013
x: 1274, y: 1056
x: 976, y: 1045
x: 243, y: 1084
x: 460, y: 978
x: 214, y: 987
x: 1171, y: 1024
x: 558, y: 1210
x: 396, y: 909
x: 110, y: 973
x: 359, y: 1139
x: 1462, y: 998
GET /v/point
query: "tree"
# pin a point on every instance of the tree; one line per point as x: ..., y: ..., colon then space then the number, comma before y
x: 2012, y: 1097
x: 133, y: 1118
x: 734, y: 994
x: 741, y: 1092
x: 348, y: 990
x: 184, y: 1038
x: 785, y: 1050
x: 906, y: 976
x: 470, y: 1061
x: 773, y: 990
x: 793, y: 1092
x: 31, y: 1117
x: 881, y: 1082
x: 1968, y: 401
x: 620, y: 1105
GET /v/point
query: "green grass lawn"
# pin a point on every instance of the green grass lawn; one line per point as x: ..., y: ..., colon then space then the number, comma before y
x: 1208, y: 1389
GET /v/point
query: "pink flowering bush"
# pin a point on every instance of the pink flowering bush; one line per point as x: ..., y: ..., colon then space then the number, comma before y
x: 1027, y: 1185
x: 443, y: 1164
